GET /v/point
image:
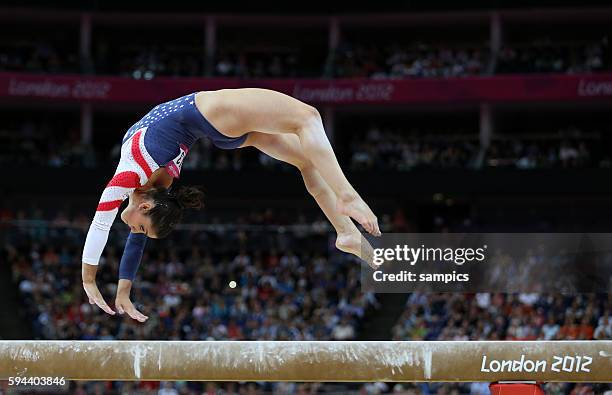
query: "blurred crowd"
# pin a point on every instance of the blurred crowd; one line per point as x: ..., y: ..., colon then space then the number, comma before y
x: 47, y: 143
x: 57, y: 144
x: 406, y: 61
x: 349, y: 60
x: 498, y: 316
x: 290, y: 286
x: 280, y: 295
x: 393, y: 149
x: 150, y: 62
x: 273, y: 65
x: 546, y: 153
x: 546, y: 56
x: 39, y: 56
x: 291, y: 283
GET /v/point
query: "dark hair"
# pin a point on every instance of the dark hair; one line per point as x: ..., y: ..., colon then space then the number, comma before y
x: 169, y: 206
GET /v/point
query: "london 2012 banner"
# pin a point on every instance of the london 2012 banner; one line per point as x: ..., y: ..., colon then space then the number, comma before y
x: 510, y: 88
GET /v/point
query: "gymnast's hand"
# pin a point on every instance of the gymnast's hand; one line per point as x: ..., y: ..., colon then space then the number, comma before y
x: 123, y: 303
x: 91, y: 289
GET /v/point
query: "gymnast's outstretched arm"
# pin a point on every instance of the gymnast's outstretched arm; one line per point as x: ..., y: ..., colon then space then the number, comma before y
x: 130, y: 260
x: 125, y: 181
x: 117, y: 190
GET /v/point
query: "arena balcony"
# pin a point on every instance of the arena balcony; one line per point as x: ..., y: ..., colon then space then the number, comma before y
x: 102, y: 98
x: 122, y: 59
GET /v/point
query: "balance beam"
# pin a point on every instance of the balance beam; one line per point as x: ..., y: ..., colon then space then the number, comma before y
x: 304, y: 361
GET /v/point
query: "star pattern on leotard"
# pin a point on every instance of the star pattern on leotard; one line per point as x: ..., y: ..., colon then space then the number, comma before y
x: 160, y: 112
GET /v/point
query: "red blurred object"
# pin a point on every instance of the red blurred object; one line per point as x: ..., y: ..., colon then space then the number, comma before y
x: 516, y: 389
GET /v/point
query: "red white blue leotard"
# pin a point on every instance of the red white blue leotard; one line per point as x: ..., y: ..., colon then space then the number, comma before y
x: 135, y: 167
x: 162, y: 138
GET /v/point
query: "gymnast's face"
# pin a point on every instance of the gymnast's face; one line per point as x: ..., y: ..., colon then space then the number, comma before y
x: 136, y: 217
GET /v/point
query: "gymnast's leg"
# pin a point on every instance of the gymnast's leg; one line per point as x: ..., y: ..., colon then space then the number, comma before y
x: 235, y: 112
x: 287, y: 148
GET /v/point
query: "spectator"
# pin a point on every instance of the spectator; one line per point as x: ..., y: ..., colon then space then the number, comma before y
x: 604, y: 328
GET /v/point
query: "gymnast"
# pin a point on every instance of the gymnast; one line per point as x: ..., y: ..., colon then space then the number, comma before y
x: 154, y: 149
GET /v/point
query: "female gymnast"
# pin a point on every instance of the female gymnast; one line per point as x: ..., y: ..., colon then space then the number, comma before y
x: 153, y: 151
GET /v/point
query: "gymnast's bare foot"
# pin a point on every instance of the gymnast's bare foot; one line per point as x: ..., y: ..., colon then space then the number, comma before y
x: 357, y: 209
x: 354, y: 243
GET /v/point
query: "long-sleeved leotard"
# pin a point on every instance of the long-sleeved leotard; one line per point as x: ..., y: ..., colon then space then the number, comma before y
x: 162, y: 138
x: 135, y: 167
